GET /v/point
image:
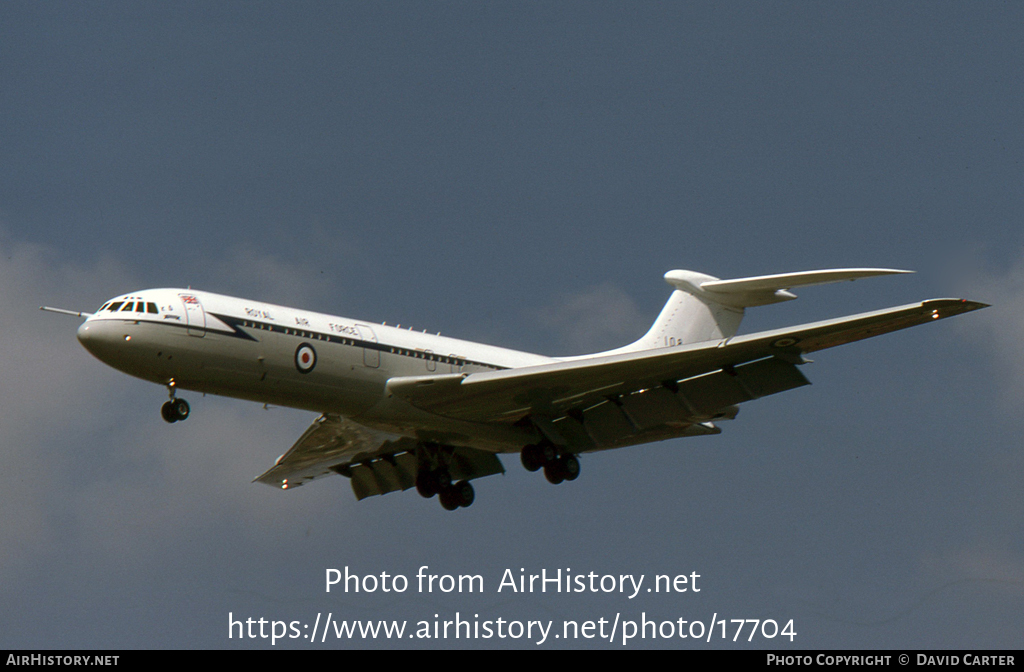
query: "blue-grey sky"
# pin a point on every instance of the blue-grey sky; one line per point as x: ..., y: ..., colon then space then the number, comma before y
x: 521, y: 174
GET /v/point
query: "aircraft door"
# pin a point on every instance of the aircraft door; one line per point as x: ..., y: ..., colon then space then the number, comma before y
x: 195, y: 316
x: 371, y: 355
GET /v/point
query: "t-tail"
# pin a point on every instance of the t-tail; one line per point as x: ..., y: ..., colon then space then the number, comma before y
x: 706, y: 308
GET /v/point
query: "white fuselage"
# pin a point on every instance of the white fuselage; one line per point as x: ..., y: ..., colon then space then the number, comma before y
x: 272, y: 354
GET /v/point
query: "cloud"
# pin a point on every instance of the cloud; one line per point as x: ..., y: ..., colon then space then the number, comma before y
x: 987, y: 564
x: 48, y: 387
x: 599, y: 318
x: 258, y: 275
x: 1001, y: 326
x: 163, y: 481
x: 90, y: 469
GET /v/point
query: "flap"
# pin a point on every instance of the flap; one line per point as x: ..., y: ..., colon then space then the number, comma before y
x: 330, y: 441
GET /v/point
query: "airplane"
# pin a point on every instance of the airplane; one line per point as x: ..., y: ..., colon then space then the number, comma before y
x: 400, y: 408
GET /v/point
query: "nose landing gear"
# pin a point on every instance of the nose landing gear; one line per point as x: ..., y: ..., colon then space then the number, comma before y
x: 176, y: 409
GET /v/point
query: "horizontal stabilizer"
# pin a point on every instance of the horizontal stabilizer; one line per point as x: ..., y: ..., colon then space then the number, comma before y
x: 765, y: 289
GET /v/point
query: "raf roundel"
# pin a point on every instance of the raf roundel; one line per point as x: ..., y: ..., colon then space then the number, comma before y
x: 305, y: 358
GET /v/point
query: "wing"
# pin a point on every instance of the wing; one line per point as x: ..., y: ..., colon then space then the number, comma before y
x: 679, y: 386
x: 376, y: 462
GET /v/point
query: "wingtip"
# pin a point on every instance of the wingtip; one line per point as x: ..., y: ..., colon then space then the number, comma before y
x: 950, y: 307
x: 966, y: 304
x: 875, y: 272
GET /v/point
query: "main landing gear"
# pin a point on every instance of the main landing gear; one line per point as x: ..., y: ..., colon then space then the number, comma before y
x: 557, y: 466
x: 176, y: 409
x: 439, y: 482
x: 434, y: 478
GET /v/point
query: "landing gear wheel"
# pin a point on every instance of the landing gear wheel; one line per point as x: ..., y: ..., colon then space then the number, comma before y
x: 564, y: 468
x: 426, y: 484
x: 430, y: 483
x: 570, y: 467
x: 465, y: 493
x: 449, y: 498
x: 180, y: 407
x: 174, y: 410
x: 553, y: 472
x: 532, y: 457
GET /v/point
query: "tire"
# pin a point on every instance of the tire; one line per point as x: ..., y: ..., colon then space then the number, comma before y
x: 449, y: 499
x: 553, y: 472
x: 167, y: 412
x: 570, y: 468
x: 426, y: 484
x: 531, y: 457
x: 465, y: 492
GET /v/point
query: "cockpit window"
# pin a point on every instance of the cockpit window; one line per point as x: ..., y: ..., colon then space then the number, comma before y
x: 115, y: 305
x: 151, y: 307
x: 103, y: 307
x: 127, y: 306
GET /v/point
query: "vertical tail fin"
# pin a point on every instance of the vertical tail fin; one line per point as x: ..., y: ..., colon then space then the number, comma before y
x: 705, y: 308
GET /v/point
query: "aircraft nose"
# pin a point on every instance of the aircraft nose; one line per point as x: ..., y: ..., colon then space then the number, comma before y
x: 90, y: 335
x: 101, y: 338
x: 84, y: 335
x: 108, y: 341
x: 83, y: 332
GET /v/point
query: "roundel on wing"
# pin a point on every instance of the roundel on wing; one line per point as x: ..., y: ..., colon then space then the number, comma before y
x: 305, y: 358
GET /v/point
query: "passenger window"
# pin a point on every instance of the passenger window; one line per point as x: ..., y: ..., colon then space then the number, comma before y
x: 151, y: 308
